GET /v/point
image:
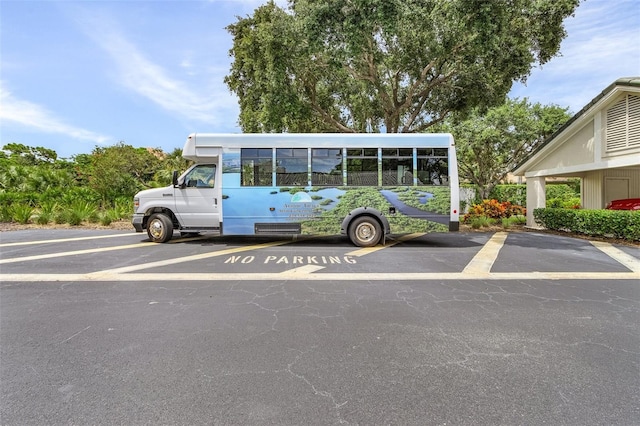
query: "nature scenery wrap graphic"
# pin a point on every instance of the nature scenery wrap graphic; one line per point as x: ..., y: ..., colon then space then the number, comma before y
x: 321, y: 209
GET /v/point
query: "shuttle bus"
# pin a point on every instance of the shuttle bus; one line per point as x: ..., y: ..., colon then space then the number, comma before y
x: 364, y: 186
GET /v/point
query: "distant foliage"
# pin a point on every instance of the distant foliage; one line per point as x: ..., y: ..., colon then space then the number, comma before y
x: 564, y: 195
x: 121, y: 170
x: 560, y: 203
x: 515, y: 194
x: 37, y: 187
x: 491, y: 143
x: 561, y: 190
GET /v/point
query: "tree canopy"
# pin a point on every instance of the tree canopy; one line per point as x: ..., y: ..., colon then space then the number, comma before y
x: 121, y: 169
x: 28, y: 155
x: 490, y: 144
x: 385, y: 65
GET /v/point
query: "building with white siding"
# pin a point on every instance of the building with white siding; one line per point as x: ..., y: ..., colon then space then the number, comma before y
x: 600, y: 145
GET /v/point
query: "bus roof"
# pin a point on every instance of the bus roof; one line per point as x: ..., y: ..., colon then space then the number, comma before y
x: 319, y: 140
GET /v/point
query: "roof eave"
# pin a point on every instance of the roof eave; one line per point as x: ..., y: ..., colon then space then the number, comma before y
x: 520, y: 168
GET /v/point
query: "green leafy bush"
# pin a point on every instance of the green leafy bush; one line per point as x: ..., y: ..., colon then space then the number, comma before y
x: 105, y: 217
x: 77, y: 212
x: 508, y: 222
x: 122, y: 208
x: 46, y: 212
x: 478, y: 222
x: 21, y: 213
x: 621, y: 224
x: 5, y: 213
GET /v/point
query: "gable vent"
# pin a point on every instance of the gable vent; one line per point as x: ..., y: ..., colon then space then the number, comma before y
x: 623, y: 124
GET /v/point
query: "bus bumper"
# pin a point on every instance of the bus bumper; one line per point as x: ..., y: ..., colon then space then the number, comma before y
x: 137, y: 222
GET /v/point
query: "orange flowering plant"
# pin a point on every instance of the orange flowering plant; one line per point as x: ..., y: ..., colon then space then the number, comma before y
x: 494, y: 209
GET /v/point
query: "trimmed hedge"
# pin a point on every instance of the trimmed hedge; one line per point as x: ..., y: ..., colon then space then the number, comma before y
x: 623, y: 224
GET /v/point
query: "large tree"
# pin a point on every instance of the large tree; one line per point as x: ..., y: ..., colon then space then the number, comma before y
x: 491, y: 143
x: 385, y: 65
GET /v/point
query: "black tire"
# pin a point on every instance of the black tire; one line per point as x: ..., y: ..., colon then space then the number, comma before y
x: 159, y: 228
x: 365, y: 231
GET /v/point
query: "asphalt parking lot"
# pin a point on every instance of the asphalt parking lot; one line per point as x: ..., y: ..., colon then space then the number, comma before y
x: 103, y: 327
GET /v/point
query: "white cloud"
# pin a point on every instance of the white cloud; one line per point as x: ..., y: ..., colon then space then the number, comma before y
x: 141, y: 75
x: 602, y: 45
x: 36, y: 117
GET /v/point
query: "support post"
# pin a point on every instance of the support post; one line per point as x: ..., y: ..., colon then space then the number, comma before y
x: 536, y: 198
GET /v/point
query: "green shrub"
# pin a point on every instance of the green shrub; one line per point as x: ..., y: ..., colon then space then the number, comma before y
x: 43, y: 218
x: 478, y: 222
x: 105, y: 217
x: 46, y: 212
x: 77, y: 212
x: 508, y: 222
x: 622, y: 224
x: 21, y: 213
x: 5, y: 213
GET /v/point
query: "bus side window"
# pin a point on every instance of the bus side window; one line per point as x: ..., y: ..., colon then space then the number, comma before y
x: 257, y: 167
x: 292, y: 167
x: 433, y: 167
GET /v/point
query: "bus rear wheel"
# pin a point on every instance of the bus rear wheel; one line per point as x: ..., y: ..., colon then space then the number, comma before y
x: 365, y: 231
x: 159, y: 228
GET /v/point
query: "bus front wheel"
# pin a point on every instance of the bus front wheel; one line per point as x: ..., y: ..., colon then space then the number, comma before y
x: 159, y: 228
x: 365, y: 231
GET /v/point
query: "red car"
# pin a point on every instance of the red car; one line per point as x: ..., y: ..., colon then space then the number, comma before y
x: 626, y: 204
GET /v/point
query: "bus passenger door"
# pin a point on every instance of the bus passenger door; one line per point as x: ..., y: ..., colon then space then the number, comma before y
x: 199, y: 198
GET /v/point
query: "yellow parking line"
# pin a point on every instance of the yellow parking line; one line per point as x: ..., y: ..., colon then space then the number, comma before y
x: 618, y: 255
x: 72, y: 253
x: 64, y: 240
x: 359, y: 276
x: 183, y: 259
x: 369, y: 250
x: 483, y: 261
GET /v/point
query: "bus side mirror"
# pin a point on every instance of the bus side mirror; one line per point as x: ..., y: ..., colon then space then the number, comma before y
x: 175, y: 178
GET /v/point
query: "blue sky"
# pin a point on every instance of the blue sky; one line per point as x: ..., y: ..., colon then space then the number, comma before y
x: 80, y: 74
